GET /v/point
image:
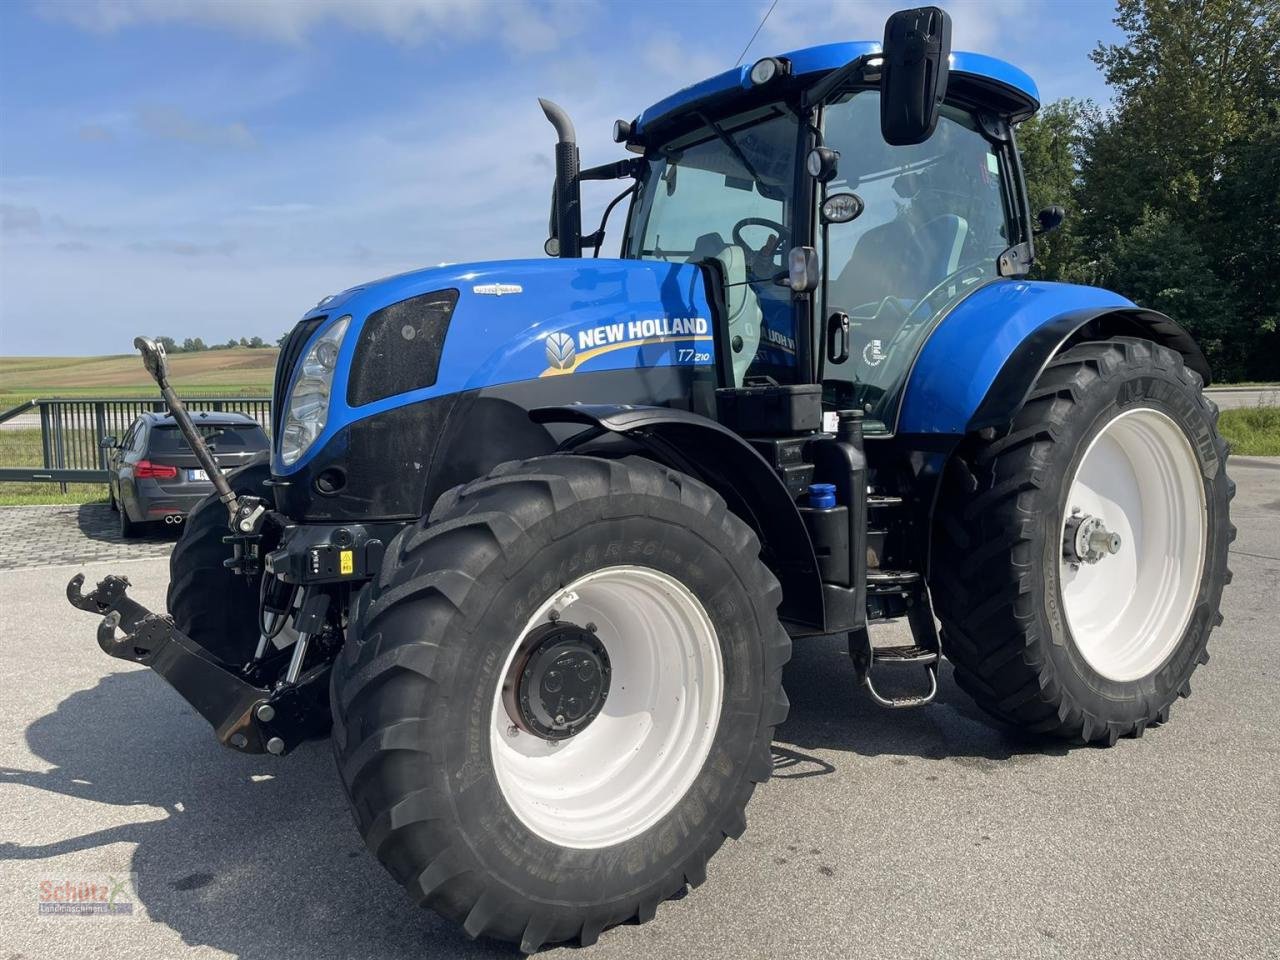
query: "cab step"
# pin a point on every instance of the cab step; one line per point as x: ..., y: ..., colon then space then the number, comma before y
x: 898, y: 656
x: 926, y: 652
x: 909, y: 656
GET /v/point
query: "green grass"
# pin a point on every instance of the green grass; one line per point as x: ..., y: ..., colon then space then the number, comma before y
x: 1252, y: 431
x: 21, y: 448
x: 218, y: 373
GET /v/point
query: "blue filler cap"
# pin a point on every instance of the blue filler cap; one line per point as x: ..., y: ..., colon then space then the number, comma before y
x: 822, y: 496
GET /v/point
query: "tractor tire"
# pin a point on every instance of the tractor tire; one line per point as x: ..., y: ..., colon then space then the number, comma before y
x: 209, y: 603
x: 519, y: 815
x: 1059, y: 631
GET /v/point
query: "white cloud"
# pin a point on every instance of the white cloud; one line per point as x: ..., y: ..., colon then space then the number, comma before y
x: 522, y: 25
x: 170, y: 123
x: 984, y: 26
x: 16, y: 219
x: 96, y: 133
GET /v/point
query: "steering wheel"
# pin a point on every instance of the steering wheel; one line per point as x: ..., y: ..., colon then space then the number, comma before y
x: 761, y: 260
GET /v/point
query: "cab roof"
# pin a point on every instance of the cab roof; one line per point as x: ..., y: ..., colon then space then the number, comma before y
x: 992, y: 83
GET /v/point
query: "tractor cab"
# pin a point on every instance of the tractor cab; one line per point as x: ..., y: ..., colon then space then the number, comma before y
x: 763, y: 164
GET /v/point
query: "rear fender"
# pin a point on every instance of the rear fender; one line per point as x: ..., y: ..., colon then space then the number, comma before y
x: 980, y: 362
x: 725, y: 462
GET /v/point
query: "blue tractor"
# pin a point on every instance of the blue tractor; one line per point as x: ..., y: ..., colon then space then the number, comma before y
x: 535, y: 537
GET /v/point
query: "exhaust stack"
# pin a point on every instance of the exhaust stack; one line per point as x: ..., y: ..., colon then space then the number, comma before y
x: 567, y: 207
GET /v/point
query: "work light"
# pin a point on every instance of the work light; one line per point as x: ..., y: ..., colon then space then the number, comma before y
x: 762, y: 71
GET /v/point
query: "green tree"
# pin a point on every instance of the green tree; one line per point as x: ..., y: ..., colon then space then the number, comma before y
x: 1159, y: 264
x: 1051, y: 145
x: 1242, y: 225
x: 256, y: 342
x: 170, y: 345
x: 1168, y: 207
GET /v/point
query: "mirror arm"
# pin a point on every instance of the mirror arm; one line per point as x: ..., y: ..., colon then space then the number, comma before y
x: 619, y: 170
x: 816, y: 95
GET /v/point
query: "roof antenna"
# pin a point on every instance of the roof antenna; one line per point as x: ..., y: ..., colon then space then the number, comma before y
x: 756, y: 34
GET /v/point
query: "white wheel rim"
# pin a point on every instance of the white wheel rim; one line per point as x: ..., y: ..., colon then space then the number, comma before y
x: 1127, y: 611
x: 639, y: 756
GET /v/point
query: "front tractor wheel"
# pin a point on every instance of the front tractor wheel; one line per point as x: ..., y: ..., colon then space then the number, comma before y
x: 558, y: 696
x: 1080, y: 558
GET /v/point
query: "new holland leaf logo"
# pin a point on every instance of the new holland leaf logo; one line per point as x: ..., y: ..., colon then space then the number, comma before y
x: 560, y: 351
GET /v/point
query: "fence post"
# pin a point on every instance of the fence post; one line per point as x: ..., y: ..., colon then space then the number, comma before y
x: 59, y: 440
x: 100, y: 425
x: 45, y: 449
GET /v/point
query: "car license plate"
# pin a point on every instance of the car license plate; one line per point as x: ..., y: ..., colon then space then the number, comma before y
x: 197, y: 475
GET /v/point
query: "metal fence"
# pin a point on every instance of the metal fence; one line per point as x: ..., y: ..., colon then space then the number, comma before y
x: 72, y: 429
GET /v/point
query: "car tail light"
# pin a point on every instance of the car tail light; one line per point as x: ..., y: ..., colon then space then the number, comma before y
x: 145, y: 469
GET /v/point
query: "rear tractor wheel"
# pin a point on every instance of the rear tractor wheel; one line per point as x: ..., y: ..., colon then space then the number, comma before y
x: 558, y: 696
x: 1080, y: 558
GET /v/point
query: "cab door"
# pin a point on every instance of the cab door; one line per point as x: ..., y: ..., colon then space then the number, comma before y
x: 935, y: 218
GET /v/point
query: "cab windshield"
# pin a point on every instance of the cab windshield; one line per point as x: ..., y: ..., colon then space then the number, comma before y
x: 723, y: 191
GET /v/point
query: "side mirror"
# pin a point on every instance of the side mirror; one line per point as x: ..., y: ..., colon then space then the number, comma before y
x: 913, y: 79
x: 1050, y: 219
x: 107, y: 443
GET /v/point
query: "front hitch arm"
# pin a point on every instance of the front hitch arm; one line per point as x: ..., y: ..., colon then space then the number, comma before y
x: 245, y: 514
x: 245, y: 717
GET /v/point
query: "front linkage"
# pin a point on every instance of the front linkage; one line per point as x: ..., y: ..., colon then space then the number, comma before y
x: 268, y: 705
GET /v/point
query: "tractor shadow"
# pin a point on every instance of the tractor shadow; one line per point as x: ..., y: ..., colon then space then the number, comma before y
x: 830, y: 711
x: 255, y: 856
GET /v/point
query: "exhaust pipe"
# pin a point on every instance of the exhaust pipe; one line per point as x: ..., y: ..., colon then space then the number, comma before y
x: 174, y: 519
x: 568, y: 206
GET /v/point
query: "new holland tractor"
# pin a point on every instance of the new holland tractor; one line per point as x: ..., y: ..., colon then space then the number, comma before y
x: 535, y: 537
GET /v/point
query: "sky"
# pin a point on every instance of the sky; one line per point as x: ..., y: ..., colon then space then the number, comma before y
x: 213, y: 168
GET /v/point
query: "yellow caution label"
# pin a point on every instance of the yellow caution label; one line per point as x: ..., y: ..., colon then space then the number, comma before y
x: 346, y: 562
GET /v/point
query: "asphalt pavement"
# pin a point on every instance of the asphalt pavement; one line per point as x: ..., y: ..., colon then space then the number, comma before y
x: 910, y: 834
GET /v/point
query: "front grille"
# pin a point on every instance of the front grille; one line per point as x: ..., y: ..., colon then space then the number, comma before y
x: 290, y: 354
x: 399, y: 347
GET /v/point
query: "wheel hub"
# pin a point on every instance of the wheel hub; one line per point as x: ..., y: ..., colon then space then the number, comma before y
x: 558, y: 681
x: 1086, y: 539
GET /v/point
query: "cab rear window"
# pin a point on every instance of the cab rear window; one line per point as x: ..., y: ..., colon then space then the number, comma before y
x: 228, y: 439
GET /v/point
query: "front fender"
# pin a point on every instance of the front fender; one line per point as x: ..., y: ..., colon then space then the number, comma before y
x: 982, y: 359
x: 729, y: 465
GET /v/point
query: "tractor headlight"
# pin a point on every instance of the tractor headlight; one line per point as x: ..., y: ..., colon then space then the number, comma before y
x: 308, y: 404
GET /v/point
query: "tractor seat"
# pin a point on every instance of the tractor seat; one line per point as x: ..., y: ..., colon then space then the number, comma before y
x: 742, y: 306
x: 898, y: 260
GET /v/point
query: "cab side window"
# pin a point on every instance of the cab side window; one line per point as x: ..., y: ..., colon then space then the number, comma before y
x: 934, y: 224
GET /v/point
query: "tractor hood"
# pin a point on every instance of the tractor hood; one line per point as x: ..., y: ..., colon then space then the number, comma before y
x: 510, y: 321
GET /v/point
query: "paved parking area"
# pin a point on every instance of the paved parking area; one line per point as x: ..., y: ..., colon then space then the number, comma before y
x: 924, y: 834
x: 75, y: 533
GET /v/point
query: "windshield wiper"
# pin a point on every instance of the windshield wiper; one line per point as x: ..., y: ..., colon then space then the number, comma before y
x: 729, y: 142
